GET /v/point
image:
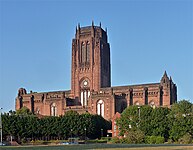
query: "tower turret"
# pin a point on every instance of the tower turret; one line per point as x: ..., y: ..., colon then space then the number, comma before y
x: 169, y: 90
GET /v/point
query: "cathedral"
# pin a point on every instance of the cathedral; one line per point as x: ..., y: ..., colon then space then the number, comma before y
x: 91, y: 89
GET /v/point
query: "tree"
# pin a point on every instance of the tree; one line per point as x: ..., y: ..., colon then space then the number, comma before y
x: 24, y: 125
x: 151, y: 121
x: 159, y: 122
x: 23, y: 111
x: 181, y: 119
x: 129, y: 120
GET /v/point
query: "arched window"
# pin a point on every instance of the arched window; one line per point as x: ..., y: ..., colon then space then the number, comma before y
x: 85, y: 92
x: 87, y: 51
x: 100, y: 108
x: 53, y: 109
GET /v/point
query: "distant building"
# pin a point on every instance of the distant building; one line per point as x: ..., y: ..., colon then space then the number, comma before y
x: 115, y: 128
x: 91, y: 89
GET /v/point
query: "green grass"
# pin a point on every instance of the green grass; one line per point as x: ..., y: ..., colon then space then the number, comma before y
x: 102, y: 146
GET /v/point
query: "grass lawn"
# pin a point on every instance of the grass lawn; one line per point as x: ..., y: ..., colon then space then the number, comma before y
x: 102, y: 146
x: 154, y: 148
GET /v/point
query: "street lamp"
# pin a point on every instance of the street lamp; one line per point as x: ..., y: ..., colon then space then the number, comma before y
x: 107, y: 137
x: 1, y: 127
x: 85, y: 134
x: 71, y: 135
x: 139, y: 113
x: 101, y: 133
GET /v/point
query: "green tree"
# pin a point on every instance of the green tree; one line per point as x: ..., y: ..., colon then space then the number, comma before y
x: 181, y: 119
x: 159, y: 122
x: 23, y: 111
x: 129, y: 120
x: 24, y: 125
x: 151, y: 121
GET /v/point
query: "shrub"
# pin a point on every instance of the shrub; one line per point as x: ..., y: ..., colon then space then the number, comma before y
x: 154, y: 140
x: 37, y: 142
x: 92, y: 141
x: 125, y: 140
x: 23, y: 140
x: 134, y: 137
x: 106, y: 138
x: 96, y: 141
x: 115, y: 140
x: 102, y: 141
x: 160, y: 140
x: 186, y: 139
x: 170, y: 141
x: 147, y: 139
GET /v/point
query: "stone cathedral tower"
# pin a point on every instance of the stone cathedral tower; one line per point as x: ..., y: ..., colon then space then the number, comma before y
x: 91, y: 69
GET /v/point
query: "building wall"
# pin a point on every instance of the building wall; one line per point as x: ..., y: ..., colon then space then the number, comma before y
x: 115, y: 128
x: 91, y: 75
x: 41, y: 103
x: 109, y: 104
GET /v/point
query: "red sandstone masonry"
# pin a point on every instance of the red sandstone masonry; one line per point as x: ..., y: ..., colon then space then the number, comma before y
x: 97, y: 72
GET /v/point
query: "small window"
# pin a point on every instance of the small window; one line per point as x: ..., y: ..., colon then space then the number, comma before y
x: 53, y: 109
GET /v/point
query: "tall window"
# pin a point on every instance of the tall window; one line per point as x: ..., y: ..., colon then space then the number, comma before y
x: 85, y: 94
x: 100, y: 108
x: 53, y: 109
x: 87, y: 52
x: 82, y: 52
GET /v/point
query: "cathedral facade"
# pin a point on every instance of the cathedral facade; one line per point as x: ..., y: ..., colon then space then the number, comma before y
x: 91, y: 89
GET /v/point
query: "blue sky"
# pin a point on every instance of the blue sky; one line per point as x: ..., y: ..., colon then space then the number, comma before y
x: 146, y: 38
